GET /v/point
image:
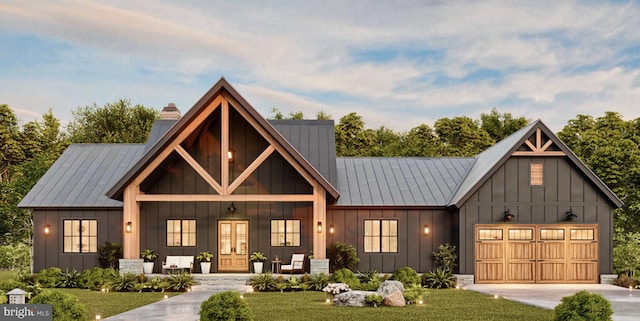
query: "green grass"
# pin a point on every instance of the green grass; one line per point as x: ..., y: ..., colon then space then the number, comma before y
x: 449, y: 305
x: 112, y: 303
x: 6, y: 275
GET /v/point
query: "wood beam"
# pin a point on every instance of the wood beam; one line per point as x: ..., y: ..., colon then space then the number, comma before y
x: 536, y: 153
x: 252, y: 167
x: 224, y: 155
x: 199, y: 169
x: 131, y: 213
x: 319, y: 217
x: 225, y: 198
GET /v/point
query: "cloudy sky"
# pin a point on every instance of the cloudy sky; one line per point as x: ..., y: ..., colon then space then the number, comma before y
x: 396, y: 63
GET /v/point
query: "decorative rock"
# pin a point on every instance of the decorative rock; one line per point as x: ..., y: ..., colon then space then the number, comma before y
x: 351, y: 299
x: 395, y: 299
x: 389, y: 287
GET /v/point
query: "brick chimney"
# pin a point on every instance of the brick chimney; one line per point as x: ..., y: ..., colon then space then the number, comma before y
x: 170, y: 112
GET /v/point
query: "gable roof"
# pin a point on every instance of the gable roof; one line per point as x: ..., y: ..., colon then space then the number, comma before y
x: 399, y: 181
x: 222, y: 86
x: 492, y: 158
x: 81, y: 176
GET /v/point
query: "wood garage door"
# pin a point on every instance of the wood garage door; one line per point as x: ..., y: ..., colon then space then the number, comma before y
x: 545, y: 253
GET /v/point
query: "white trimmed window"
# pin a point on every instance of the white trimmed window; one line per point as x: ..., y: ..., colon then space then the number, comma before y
x: 285, y: 232
x: 380, y: 236
x: 80, y: 236
x: 536, y: 170
x: 181, y: 232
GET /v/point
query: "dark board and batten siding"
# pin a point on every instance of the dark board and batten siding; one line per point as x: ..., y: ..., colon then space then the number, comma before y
x: 564, y: 188
x: 48, y: 250
x: 414, y: 248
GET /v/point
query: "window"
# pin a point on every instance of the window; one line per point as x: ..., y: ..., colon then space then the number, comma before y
x: 80, y: 236
x: 551, y: 234
x: 381, y: 236
x: 488, y: 234
x: 285, y: 232
x: 536, y: 174
x: 181, y: 232
x: 582, y: 234
x: 521, y: 234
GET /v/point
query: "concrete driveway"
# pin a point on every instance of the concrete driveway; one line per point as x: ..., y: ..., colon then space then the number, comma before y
x: 625, y: 302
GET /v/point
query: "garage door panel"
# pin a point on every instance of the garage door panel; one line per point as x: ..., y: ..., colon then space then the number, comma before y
x: 489, y: 272
x: 583, y: 272
x: 583, y: 251
x: 551, y: 251
x: 551, y: 272
x: 523, y: 272
x: 490, y: 251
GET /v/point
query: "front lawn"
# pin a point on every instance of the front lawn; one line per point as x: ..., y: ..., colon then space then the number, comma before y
x: 112, y: 303
x: 447, y: 305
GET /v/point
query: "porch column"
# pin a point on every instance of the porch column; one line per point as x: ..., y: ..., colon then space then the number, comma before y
x: 131, y: 213
x: 319, y: 219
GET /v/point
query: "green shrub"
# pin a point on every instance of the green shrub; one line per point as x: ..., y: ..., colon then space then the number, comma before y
x: 31, y: 289
x: 66, y: 307
x: 626, y: 252
x: 96, y: 278
x: 583, y: 306
x: 317, y: 281
x: 225, y: 306
x: 122, y: 282
x: 69, y: 279
x: 49, y: 277
x: 407, y: 276
x: 181, y: 282
x: 109, y: 255
x: 413, y: 293
x: 16, y: 257
x: 342, y: 256
x: 374, y: 299
x: 294, y: 284
x: 264, y: 282
x: 347, y: 277
x: 156, y: 284
x: 445, y: 257
x: 371, y: 275
x: 438, y: 279
x: 3, y: 297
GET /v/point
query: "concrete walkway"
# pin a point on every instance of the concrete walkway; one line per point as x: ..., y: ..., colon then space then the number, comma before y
x: 625, y: 302
x: 185, y: 307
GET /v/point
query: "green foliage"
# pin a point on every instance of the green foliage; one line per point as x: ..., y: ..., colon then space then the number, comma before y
x: 374, y: 299
x: 407, y: 276
x: 49, y: 277
x: 626, y: 281
x: 117, y: 122
x: 347, y: 277
x: 225, y: 306
x: 3, y: 297
x: 257, y: 257
x: 181, y: 282
x: 157, y: 284
x: 66, y: 307
x: 122, y: 282
x: 109, y: 255
x: 445, y: 257
x: 96, y: 278
x: 204, y: 256
x: 499, y: 126
x: 461, y: 136
x: 583, y: 306
x: 16, y: 257
x: 317, y: 281
x: 263, y: 282
x: 69, y: 279
x: 31, y: 289
x: 414, y: 293
x: 342, y: 255
x: 294, y: 284
x: 626, y: 252
x: 148, y: 255
x: 438, y: 279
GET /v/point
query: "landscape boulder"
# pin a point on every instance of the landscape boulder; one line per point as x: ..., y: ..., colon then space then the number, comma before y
x: 358, y: 298
x: 395, y: 299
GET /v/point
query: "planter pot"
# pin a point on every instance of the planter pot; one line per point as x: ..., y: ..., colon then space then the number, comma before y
x: 205, y: 267
x: 257, y: 267
x: 147, y: 267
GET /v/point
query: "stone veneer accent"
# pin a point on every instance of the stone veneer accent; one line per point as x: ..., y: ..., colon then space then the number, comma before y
x: 130, y: 266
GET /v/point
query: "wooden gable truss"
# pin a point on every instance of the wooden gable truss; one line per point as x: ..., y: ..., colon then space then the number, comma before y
x: 539, y: 145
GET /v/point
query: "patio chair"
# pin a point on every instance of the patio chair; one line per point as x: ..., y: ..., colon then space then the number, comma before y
x: 296, y: 265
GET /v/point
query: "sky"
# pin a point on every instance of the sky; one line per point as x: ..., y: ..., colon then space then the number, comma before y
x: 398, y: 64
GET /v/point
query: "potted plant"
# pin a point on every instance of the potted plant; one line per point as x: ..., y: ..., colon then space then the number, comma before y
x: 258, y: 259
x: 148, y: 256
x: 205, y: 261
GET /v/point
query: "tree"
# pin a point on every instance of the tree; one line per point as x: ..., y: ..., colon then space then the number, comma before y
x: 10, y: 149
x: 116, y: 122
x: 421, y: 141
x: 461, y: 136
x: 351, y: 139
x: 499, y: 126
x: 321, y: 115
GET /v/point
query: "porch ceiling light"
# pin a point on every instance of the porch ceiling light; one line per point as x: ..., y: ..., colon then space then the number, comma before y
x: 508, y: 216
x: 319, y: 227
x: 47, y: 230
x: 425, y: 229
x: 129, y: 227
x: 571, y: 215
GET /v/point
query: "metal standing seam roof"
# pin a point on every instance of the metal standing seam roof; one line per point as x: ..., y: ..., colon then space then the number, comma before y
x: 399, y: 181
x: 82, y: 176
